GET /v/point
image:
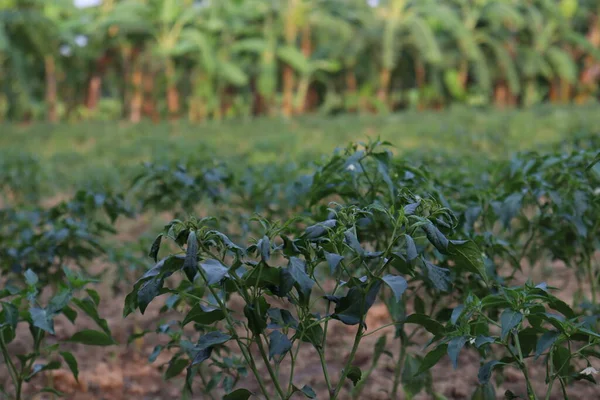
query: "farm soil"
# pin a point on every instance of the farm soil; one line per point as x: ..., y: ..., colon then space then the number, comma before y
x: 123, y: 372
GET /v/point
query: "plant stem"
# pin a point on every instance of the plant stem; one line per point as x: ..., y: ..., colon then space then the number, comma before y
x: 550, y: 374
x: 592, y: 278
x: 530, y: 391
x: 242, y: 347
x: 12, y: 370
x: 274, y: 377
x: 398, y: 369
x: 324, y: 367
x: 346, y: 369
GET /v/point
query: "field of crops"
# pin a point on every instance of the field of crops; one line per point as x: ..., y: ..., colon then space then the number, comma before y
x: 449, y: 255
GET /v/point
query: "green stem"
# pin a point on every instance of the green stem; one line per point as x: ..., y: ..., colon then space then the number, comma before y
x: 592, y: 278
x: 12, y: 370
x: 324, y: 367
x: 274, y: 377
x: 530, y: 391
x: 398, y: 369
x: 550, y: 374
x: 231, y: 326
x: 346, y: 369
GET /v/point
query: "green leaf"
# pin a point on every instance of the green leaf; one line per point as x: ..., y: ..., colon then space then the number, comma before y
x: 279, y: 344
x: 310, y: 333
x: 352, y: 308
x: 413, y: 383
x: 94, y: 296
x: 352, y: 242
x: 545, y: 342
x: 41, y: 319
x: 561, y: 357
x: 256, y: 314
x: 397, y: 283
x: 176, y: 366
x: 437, y: 238
x: 439, y: 277
x: 484, y: 392
x: 509, y: 319
x: 297, y: 269
x: 31, y: 278
x: 71, y: 362
x: 202, y: 355
x: 467, y: 254
x: 37, y: 368
x: 239, y: 394
x: 295, y: 58
x: 92, y: 338
x: 432, y: 358
x: 155, y: 248
x: 426, y: 322
x: 213, y: 270
x: 190, y: 265
x: 485, y: 371
x: 264, y: 248
x: 528, y: 340
x: 455, y: 345
x: 212, y: 339
x: 70, y: 314
x: 411, y: 248
x: 202, y: 315
x: 316, y: 231
x: 308, y: 392
x: 333, y: 260
x: 58, y: 302
x: 89, y: 307
x: 154, y: 355
x: 354, y: 374
x: 10, y: 315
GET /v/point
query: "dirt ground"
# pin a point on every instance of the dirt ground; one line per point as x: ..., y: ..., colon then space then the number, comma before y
x: 123, y: 372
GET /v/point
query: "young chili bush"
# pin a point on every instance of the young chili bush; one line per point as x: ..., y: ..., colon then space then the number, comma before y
x: 45, y: 239
x: 23, y: 303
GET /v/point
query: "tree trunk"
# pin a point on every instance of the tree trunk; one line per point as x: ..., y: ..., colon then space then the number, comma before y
x: 149, y: 107
x: 172, y: 93
x: 501, y: 94
x: 384, y: 85
x: 51, y: 88
x: 288, y: 91
x: 95, y: 82
x: 554, y: 93
x: 93, y: 94
x: 351, y: 89
x: 463, y: 75
x: 137, y: 97
x: 304, y: 82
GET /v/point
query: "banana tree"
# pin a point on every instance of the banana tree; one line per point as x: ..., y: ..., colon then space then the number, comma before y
x: 491, y: 24
x: 543, y: 52
x: 214, y: 46
x: 404, y: 24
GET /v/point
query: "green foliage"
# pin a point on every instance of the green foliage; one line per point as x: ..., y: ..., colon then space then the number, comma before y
x: 237, y: 58
x: 22, y: 305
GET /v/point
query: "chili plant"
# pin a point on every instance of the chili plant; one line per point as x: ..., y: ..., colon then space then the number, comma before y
x: 516, y: 325
x: 22, y: 304
x: 216, y: 268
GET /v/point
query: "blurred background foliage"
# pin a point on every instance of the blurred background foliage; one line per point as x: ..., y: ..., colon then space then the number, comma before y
x: 65, y: 60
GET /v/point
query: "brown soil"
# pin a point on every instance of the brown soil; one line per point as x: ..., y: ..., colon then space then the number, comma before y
x: 123, y: 372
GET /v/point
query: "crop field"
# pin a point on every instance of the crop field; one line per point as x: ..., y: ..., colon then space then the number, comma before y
x: 430, y: 255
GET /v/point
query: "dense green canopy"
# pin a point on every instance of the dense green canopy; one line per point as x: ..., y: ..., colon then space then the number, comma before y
x: 205, y: 59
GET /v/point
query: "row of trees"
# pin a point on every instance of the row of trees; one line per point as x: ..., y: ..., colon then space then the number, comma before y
x: 211, y: 59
